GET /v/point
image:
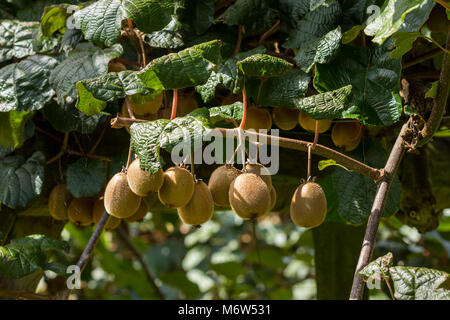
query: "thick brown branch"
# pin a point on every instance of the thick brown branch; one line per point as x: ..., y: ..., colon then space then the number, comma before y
x: 377, y: 209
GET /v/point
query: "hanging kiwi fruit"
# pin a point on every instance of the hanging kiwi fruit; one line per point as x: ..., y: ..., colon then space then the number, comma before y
x: 140, y: 213
x: 80, y: 211
x: 141, y: 182
x: 177, y: 187
x: 347, y: 135
x: 186, y: 104
x: 219, y: 184
x: 309, y: 124
x: 59, y: 201
x: 120, y: 201
x: 200, y: 207
x: 232, y: 98
x: 308, y: 205
x: 97, y: 212
x: 258, y: 119
x: 249, y: 196
x: 284, y: 118
x: 148, y: 107
x: 115, y: 66
x: 260, y: 171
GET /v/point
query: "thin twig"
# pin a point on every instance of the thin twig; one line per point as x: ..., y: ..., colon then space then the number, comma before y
x: 87, y: 155
x: 130, y: 110
x: 442, y: 3
x: 435, y: 43
x: 422, y: 58
x: 77, y: 141
x: 148, y: 273
x: 100, y: 137
x: 48, y: 134
x: 239, y: 40
x: 269, y: 32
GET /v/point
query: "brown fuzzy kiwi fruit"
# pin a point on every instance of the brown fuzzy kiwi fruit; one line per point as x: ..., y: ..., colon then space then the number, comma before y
x: 260, y: 171
x: 200, y: 208
x: 249, y: 196
x: 97, y: 212
x: 346, y: 135
x: 114, y: 66
x: 120, y: 201
x: 150, y: 107
x: 308, y: 205
x: 141, y: 182
x: 59, y: 201
x: 258, y: 119
x: 284, y: 118
x: 232, y: 98
x: 177, y: 187
x: 140, y: 213
x: 219, y: 184
x: 186, y: 104
x: 309, y: 124
x: 273, y: 197
x: 80, y: 211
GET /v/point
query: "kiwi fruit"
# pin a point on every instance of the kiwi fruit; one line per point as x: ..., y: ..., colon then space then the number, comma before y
x: 114, y: 66
x: 346, y: 135
x: 140, y: 213
x: 309, y: 124
x: 284, y: 118
x: 200, y: 208
x: 151, y: 106
x: 258, y: 119
x: 97, y: 212
x: 308, y: 205
x: 219, y: 184
x: 59, y: 201
x: 186, y: 104
x: 120, y: 201
x: 232, y: 98
x: 260, y: 171
x: 437, y: 21
x: 80, y: 211
x: 273, y: 197
x: 149, y: 116
x: 141, y: 182
x: 249, y: 196
x: 177, y: 187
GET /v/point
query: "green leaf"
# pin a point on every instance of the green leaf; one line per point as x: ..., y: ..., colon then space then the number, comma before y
x: 21, y: 179
x: 373, y: 74
x: 80, y: 64
x: 403, y: 43
x: 257, y: 16
x: 148, y: 138
x: 351, y: 34
x: 399, y: 15
x: 270, y: 257
x: 24, y: 86
x: 54, y: 19
x: 101, y: 22
x: 327, y: 105
x: 16, y: 39
x: 432, y: 93
x: 231, y: 269
x: 232, y: 111
x: 321, y: 50
x: 12, y: 128
x: 179, y: 280
x: 412, y: 283
x: 93, y: 94
x: 309, y: 23
x: 168, y: 37
x: 187, y: 68
x: 263, y: 66
x: 85, y: 177
x: 378, y: 268
x: 24, y: 256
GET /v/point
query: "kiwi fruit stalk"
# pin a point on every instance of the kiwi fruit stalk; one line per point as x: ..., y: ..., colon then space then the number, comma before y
x: 120, y: 201
x: 309, y: 124
x: 177, y: 187
x: 347, y: 135
x: 260, y: 171
x: 97, y: 212
x: 258, y: 119
x: 219, y: 184
x: 140, y: 213
x: 308, y: 205
x: 186, y: 104
x: 80, y: 211
x: 59, y: 201
x: 249, y: 196
x: 141, y: 182
x: 200, y: 208
x: 284, y: 118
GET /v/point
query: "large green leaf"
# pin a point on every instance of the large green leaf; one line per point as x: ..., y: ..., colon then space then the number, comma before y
x: 399, y: 15
x: 233, y: 111
x: 80, y: 64
x: 169, y: 37
x: 86, y: 177
x: 101, y: 22
x: 187, y: 68
x: 256, y: 16
x: 25, y: 86
x: 373, y: 74
x: 12, y: 128
x: 379, y: 267
x: 327, y: 105
x: 308, y: 23
x: 320, y: 50
x: 16, y: 39
x: 95, y: 93
x: 24, y: 256
x: 403, y: 43
x: 54, y: 19
x: 21, y: 179
x: 263, y: 66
